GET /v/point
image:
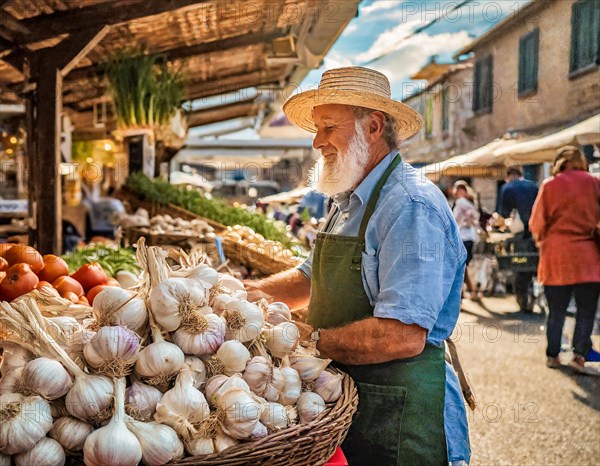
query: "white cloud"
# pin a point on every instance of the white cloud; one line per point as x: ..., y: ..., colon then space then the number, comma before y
x: 379, y: 5
x: 352, y: 27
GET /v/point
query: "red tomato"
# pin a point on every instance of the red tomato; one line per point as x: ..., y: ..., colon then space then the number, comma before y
x: 67, y: 284
x: 19, y: 280
x: 54, y: 267
x: 5, y: 247
x: 94, y: 291
x: 42, y: 284
x: 111, y: 282
x: 90, y: 275
x: 3, y: 265
x: 71, y: 296
x: 25, y: 254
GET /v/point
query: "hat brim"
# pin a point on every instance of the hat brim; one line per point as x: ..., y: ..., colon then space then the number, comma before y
x: 299, y: 108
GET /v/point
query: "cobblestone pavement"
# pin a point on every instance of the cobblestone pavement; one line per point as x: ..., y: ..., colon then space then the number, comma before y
x: 527, y: 414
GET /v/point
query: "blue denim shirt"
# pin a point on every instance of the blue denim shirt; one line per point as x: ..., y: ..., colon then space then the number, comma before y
x: 413, y: 267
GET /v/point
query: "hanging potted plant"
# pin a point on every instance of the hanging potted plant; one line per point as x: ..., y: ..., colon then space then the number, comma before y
x: 147, y: 93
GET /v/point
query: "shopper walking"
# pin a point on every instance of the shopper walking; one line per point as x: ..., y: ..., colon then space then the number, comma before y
x: 467, y: 219
x: 564, y: 222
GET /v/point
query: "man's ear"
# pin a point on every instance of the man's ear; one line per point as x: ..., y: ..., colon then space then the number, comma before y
x: 376, y: 126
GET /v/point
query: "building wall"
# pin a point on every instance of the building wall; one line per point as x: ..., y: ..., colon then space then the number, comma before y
x: 558, y: 99
x: 442, y: 144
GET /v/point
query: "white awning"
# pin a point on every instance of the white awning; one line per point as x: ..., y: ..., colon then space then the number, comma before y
x: 286, y: 197
x: 477, y: 163
x: 544, y: 149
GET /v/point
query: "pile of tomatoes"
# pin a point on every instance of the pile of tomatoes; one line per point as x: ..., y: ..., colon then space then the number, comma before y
x: 23, y: 269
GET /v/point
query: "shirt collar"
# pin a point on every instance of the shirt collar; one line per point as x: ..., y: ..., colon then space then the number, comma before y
x: 364, y: 190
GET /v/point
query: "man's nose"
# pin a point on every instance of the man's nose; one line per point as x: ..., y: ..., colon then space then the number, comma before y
x: 319, y: 140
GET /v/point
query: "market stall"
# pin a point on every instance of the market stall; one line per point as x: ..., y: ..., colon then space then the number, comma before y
x: 178, y: 355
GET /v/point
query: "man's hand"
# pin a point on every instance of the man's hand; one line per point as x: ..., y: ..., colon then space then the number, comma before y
x: 255, y: 293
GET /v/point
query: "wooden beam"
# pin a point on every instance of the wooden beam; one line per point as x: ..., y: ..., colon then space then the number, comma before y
x: 231, y: 83
x: 8, y: 21
x: 223, y: 113
x: 225, y: 45
x: 48, y: 66
x: 104, y: 14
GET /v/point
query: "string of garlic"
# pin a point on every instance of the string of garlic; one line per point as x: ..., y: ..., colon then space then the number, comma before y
x: 113, y: 444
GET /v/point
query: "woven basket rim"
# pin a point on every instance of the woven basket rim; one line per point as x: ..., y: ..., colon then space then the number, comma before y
x: 341, y: 411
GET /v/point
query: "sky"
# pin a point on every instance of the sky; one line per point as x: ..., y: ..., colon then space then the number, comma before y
x: 387, y: 27
x: 384, y: 27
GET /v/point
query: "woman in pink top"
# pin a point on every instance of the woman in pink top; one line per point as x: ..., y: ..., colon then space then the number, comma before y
x: 565, y: 216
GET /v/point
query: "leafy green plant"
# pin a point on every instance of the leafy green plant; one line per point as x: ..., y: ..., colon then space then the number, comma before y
x: 146, y: 91
x: 215, y: 209
x: 112, y: 260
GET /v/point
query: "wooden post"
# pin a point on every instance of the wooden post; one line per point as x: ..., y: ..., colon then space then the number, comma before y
x: 48, y: 68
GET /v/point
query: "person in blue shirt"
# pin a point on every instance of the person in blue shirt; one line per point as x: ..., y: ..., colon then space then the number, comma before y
x: 383, y: 282
x: 519, y: 194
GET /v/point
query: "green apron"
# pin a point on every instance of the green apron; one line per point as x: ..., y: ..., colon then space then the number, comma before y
x: 400, y: 418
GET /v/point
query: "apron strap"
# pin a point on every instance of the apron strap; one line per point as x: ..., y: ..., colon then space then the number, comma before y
x: 375, y: 197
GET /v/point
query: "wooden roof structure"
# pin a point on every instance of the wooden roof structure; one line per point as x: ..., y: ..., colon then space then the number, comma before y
x: 53, y: 55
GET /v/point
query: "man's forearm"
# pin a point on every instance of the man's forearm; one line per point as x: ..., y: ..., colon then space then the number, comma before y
x: 372, y: 341
x: 291, y: 287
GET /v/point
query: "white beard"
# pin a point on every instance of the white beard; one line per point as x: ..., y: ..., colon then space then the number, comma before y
x: 341, y: 172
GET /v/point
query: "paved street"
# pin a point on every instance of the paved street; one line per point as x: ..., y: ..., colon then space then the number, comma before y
x: 527, y: 414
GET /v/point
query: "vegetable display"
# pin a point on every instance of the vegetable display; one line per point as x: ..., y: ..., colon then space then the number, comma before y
x: 112, y: 260
x: 218, y: 210
x: 182, y: 364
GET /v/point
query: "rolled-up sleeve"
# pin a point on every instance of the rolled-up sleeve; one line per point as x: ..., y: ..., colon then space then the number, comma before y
x: 306, y: 266
x: 413, y: 282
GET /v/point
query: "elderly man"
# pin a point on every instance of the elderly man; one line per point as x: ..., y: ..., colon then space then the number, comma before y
x: 384, y: 280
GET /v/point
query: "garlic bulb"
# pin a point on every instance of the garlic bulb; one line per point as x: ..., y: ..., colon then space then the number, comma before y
x: 241, y: 413
x: 158, y: 362
x: 204, y: 343
x: 219, y: 384
x: 70, y: 432
x: 329, y: 386
x: 113, y: 351
x: 14, y: 357
x: 231, y: 283
x: 309, y: 367
x: 182, y: 406
x: 113, y: 444
x: 179, y: 301
x: 198, y: 370
x: 200, y: 446
x: 278, y: 313
x: 263, y: 378
x: 11, y: 382
x: 292, y: 384
x: 116, y: 306
x: 47, y: 452
x: 90, y: 397
x: 274, y: 416
x: 203, y: 275
x: 220, y: 302
x: 230, y: 358
x: 309, y: 406
x: 126, y: 279
x: 19, y: 430
x: 223, y: 441
x: 281, y: 339
x: 260, y: 431
x: 159, y: 442
x: 141, y: 400
x: 47, y: 378
x: 244, y: 320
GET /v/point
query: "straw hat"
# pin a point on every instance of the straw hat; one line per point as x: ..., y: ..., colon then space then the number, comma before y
x: 357, y: 86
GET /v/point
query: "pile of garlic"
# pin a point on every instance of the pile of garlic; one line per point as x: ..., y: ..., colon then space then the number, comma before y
x: 187, y: 366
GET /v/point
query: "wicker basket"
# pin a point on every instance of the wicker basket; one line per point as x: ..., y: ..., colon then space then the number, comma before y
x: 257, y: 260
x: 309, y: 444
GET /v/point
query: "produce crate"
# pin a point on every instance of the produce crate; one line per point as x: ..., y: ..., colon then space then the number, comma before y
x: 519, y: 262
x: 154, y: 208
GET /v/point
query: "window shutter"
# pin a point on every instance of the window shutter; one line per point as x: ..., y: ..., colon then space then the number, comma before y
x: 489, y: 87
x: 585, y: 34
x: 528, y: 61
